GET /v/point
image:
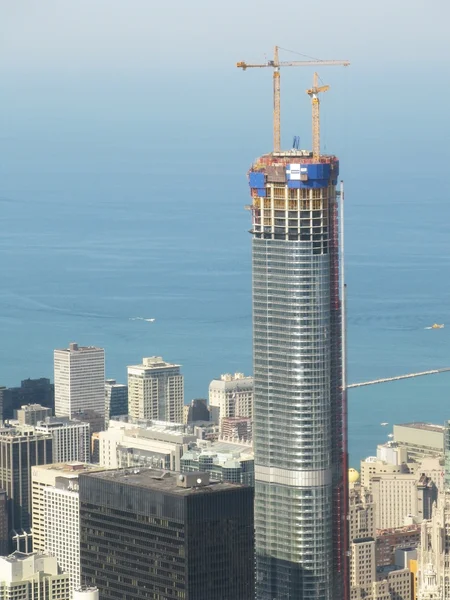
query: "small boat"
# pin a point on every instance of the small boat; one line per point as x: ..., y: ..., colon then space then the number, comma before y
x: 390, y: 435
x: 384, y: 424
x: 437, y: 326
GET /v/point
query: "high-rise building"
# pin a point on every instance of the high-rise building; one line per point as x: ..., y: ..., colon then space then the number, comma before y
x: 71, y: 439
x: 156, y: 390
x: 149, y: 534
x: 79, y: 380
x: 30, y: 414
x: 21, y: 448
x: 231, y: 396
x: 116, y: 399
x: 31, y: 576
x: 46, y: 477
x: 299, y: 428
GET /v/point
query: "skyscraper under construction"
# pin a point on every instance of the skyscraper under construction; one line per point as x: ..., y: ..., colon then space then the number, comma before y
x: 300, y: 438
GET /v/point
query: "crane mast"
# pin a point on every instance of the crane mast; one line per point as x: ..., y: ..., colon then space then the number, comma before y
x: 313, y: 93
x: 275, y: 64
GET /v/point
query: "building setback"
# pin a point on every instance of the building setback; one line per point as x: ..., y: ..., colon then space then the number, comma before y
x: 149, y: 534
x: 299, y: 407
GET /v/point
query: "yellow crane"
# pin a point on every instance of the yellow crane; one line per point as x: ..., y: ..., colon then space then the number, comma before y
x: 313, y: 93
x: 276, y: 64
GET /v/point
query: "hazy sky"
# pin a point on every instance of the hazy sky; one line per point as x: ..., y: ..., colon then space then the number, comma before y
x: 42, y: 35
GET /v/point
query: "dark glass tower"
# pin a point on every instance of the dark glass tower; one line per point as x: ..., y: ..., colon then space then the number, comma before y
x: 299, y: 413
x: 150, y: 534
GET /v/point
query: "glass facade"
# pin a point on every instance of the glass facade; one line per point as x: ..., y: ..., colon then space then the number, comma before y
x: 148, y: 542
x: 298, y: 397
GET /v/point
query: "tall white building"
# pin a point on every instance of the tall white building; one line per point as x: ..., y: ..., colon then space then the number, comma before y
x: 62, y: 527
x: 231, y: 396
x: 79, y: 380
x: 155, y: 390
x: 31, y: 577
x: 71, y: 439
x: 44, y: 477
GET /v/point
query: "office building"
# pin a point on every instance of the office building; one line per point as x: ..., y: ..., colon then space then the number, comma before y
x: 79, y: 380
x: 236, y: 428
x: 421, y: 440
x: 71, y: 439
x: 21, y: 449
x: 222, y: 460
x: 299, y: 430
x: 62, y: 525
x: 402, y: 499
x: 31, y: 391
x: 156, y: 390
x: 116, y: 399
x: 231, y: 396
x: 31, y: 577
x: 197, y: 410
x: 47, y: 477
x: 146, y: 534
x: 31, y: 414
x: 156, y: 444
x: 372, y: 466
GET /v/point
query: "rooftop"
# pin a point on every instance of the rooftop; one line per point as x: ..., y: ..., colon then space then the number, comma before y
x: 154, y: 362
x: 424, y: 426
x: 161, y: 481
x: 73, y: 347
x: 71, y: 468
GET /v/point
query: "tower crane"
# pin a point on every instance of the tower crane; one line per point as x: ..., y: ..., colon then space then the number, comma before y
x: 275, y: 64
x: 313, y: 93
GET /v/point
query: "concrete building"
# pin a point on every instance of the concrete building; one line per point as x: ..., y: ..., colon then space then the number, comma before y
x: 62, y: 524
x: 373, y: 465
x: 166, y: 535
x: 236, y: 429
x: 223, y: 461
x: 31, y: 577
x: 231, y: 396
x: 299, y: 408
x: 79, y: 380
x: 46, y: 477
x: 71, y: 439
x: 116, y: 399
x: 31, y: 414
x: 433, y: 553
x: 156, y: 390
x: 21, y: 449
x: 402, y: 499
x: 156, y: 444
x: 362, y: 540
x: 421, y: 440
